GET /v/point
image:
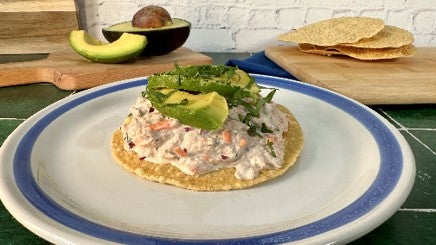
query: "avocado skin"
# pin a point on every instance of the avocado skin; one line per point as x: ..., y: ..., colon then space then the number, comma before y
x: 160, y: 40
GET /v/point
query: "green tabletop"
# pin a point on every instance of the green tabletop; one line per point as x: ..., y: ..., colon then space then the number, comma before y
x: 413, y: 223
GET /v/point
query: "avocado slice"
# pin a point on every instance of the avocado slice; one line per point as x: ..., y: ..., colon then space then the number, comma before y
x: 225, y: 80
x: 126, y: 47
x: 204, y: 110
x: 161, y: 40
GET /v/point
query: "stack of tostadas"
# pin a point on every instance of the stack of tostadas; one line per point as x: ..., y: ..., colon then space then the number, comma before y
x: 362, y: 38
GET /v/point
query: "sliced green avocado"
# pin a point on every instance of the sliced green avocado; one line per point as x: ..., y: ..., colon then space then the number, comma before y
x: 161, y: 40
x: 126, y: 47
x: 224, y: 80
x: 204, y: 110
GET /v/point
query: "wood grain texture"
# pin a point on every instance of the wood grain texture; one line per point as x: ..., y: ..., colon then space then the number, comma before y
x: 69, y: 71
x: 37, y: 5
x: 398, y: 81
x: 36, y: 26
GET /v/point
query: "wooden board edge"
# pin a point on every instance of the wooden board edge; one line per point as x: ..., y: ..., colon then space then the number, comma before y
x: 298, y: 73
x: 367, y: 99
x: 66, y: 81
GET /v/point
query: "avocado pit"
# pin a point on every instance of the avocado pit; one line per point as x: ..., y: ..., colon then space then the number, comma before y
x: 151, y: 17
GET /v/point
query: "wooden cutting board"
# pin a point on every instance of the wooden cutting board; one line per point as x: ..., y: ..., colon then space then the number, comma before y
x: 36, y: 26
x: 69, y: 71
x: 399, y: 81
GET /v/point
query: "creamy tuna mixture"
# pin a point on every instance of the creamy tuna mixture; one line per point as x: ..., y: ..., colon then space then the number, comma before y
x: 160, y: 139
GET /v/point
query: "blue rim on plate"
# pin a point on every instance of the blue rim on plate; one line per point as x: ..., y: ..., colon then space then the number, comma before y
x: 391, y: 166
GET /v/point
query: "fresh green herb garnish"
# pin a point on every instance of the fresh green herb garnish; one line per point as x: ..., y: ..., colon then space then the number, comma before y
x: 271, y: 148
x: 179, y: 79
x: 203, y: 71
x: 157, y: 94
x: 265, y: 129
x: 253, y: 105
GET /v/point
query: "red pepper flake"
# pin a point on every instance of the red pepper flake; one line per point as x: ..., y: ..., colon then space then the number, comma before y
x: 151, y: 109
x: 131, y: 144
x: 141, y: 158
x: 223, y: 157
x: 187, y: 129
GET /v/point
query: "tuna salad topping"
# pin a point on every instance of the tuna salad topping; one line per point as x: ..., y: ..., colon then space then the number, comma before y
x: 249, y: 141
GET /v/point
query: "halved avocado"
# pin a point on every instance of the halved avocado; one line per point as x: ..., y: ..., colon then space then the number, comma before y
x: 127, y: 46
x: 161, y: 40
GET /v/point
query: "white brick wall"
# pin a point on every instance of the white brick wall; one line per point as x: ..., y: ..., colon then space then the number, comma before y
x: 253, y: 25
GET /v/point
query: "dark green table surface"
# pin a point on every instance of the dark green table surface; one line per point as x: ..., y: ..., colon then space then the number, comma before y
x: 413, y: 223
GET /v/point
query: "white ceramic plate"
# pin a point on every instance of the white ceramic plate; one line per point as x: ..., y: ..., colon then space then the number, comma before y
x: 57, y: 177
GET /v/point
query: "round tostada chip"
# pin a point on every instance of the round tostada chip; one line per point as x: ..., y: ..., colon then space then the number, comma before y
x: 220, y: 180
x: 360, y: 53
x: 335, y: 31
x: 388, y: 37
